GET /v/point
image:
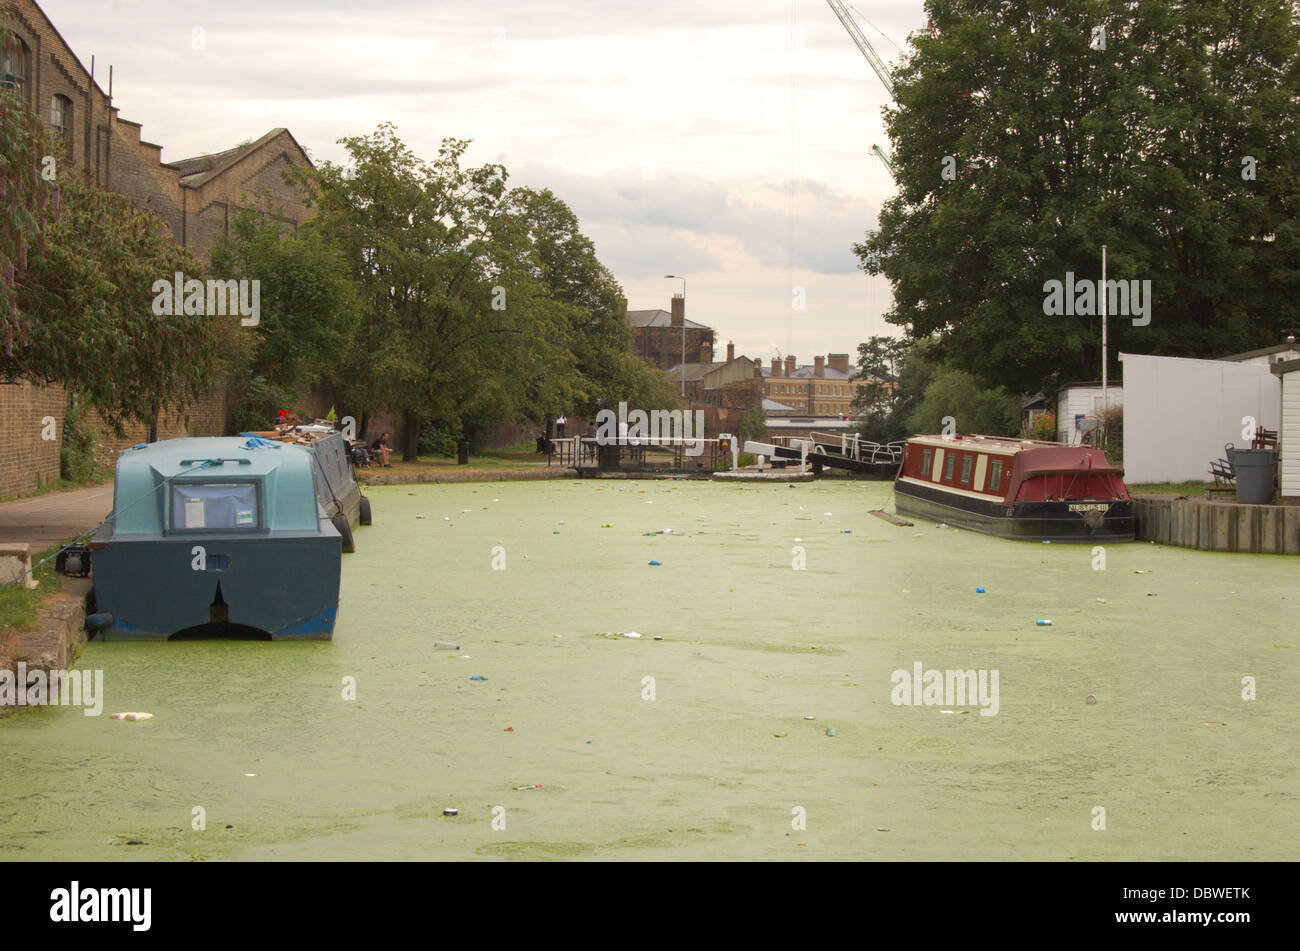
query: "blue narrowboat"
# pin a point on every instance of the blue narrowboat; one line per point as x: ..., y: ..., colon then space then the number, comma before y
x: 217, y: 537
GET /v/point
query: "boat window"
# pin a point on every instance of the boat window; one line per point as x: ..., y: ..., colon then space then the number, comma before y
x: 212, y: 505
x: 947, y: 469
x: 965, y: 469
x: 995, y: 474
x: 925, y: 462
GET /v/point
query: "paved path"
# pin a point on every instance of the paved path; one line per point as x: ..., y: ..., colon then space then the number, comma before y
x: 46, y: 520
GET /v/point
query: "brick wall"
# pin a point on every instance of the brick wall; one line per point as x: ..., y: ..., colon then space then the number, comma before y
x: 27, y: 461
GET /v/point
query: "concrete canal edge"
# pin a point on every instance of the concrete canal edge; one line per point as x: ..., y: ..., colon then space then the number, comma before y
x: 1213, y: 525
x: 55, y: 641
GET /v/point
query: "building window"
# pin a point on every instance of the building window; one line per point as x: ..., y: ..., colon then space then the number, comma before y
x: 995, y: 475
x: 61, y: 117
x: 965, y: 469
x: 13, y: 66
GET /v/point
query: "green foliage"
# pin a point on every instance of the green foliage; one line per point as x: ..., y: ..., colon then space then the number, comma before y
x: 309, y: 314
x: 752, y: 425
x: 86, y: 307
x: 30, y: 205
x: 953, y: 393
x: 1061, y: 148
x: 907, y: 367
x: 77, y: 462
x: 480, y: 304
x: 1044, y: 427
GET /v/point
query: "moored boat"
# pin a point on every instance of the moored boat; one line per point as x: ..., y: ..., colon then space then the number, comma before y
x: 216, y: 537
x: 1015, y: 488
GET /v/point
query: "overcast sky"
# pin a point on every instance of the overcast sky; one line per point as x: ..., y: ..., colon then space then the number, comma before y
x: 724, y: 140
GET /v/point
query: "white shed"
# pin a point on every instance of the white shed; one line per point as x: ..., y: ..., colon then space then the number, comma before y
x: 1075, y: 401
x: 1289, y: 433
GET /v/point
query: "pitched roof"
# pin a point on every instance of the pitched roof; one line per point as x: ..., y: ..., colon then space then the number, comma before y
x: 772, y: 406
x: 201, y: 169
x: 1263, y: 352
x: 658, y: 318
x: 694, y: 371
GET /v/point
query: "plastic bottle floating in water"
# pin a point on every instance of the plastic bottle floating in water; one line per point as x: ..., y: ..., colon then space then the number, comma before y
x: 979, y: 590
x: 1044, y: 623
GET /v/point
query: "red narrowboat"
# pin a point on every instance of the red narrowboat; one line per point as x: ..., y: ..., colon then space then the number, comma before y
x: 1015, y: 488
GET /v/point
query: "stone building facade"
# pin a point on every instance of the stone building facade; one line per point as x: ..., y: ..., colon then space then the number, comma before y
x: 196, y: 199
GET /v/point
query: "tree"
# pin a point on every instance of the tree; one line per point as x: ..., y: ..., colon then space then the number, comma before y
x: 911, y: 366
x: 1029, y: 133
x: 453, y: 315
x: 89, y: 301
x: 955, y: 402
x: 309, y: 314
x: 30, y: 205
x: 879, y: 360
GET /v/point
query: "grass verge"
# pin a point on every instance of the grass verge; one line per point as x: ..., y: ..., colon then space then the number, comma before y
x: 18, y: 605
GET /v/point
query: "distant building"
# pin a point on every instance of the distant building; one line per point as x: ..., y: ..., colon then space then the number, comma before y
x: 659, y: 336
x: 825, y: 389
x: 1075, y: 402
x: 734, y: 381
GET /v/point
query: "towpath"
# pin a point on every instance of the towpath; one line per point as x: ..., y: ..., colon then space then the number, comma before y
x: 46, y: 520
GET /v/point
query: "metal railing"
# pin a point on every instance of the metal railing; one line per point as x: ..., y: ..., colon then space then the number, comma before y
x: 667, y: 453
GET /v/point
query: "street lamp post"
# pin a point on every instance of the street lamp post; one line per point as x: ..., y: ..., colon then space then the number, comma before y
x: 678, y: 277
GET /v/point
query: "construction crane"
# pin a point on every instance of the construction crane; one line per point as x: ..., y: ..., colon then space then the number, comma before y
x: 888, y: 162
x: 864, y: 45
x: 877, y: 64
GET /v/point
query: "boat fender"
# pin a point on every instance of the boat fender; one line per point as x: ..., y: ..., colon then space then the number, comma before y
x: 97, y: 622
x: 345, y: 531
x: 365, y: 511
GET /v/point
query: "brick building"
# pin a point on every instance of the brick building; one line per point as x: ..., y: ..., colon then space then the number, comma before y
x: 196, y: 199
x: 659, y: 336
x: 824, y: 389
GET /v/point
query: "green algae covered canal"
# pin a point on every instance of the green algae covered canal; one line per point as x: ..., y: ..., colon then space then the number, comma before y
x: 1123, y: 730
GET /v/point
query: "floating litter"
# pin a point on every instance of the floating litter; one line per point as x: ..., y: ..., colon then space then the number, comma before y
x: 846, y: 531
x: 810, y: 717
x: 1043, y: 623
x: 478, y: 677
x: 1091, y: 698
x: 631, y: 634
x: 250, y: 774
x: 1101, y: 600
x: 947, y: 711
x: 450, y: 812
x: 655, y: 562
x: 830, y: 731
x: 1047, y: 541
x: 131, y: 716
x: 533, y: 786
x: 979, y: 590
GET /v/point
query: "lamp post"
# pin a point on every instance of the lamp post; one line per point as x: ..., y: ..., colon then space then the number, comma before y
x: 678, y: 277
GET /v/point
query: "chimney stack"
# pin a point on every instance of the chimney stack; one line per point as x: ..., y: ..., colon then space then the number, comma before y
x: 706, y: 350
x: 819, y: 366
x: 776, y: 367
x: 731, y: 351
x: 790, y: 365
x: 679, y: 311
x: 838, y: 361
x: 758, y: 369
